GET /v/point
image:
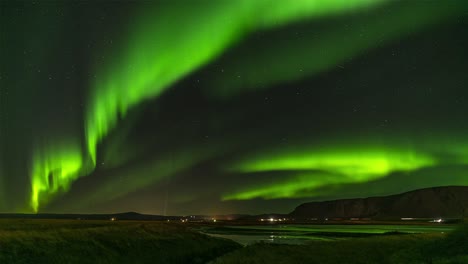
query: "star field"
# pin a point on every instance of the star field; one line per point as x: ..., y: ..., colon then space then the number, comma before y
x: 182, y: 107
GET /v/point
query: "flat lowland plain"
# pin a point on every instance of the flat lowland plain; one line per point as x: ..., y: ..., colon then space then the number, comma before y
x: 84, y: 241
x: 429, y: 248
x: 87, y: 241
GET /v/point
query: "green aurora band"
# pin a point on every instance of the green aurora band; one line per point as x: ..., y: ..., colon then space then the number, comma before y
x: 159, y: 53
x: 51, y: 174
x: 310, y: 167
x: 307, y: 55
x: 328, y: 166
x: 162, y: 46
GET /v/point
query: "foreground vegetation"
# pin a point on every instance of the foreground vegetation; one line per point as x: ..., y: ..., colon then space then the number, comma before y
x: 74, y: 241
x: 418, y: 248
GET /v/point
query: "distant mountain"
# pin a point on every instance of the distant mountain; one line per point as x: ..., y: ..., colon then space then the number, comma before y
x: 121, y: 216
x: 118, y: 216
x: 443, y: 202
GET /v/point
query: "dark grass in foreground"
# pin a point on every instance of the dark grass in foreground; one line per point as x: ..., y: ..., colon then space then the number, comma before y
x: 418, y: 248
x: 73, y: 241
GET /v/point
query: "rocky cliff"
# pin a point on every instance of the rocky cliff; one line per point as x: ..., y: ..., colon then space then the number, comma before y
x: 443, y: 202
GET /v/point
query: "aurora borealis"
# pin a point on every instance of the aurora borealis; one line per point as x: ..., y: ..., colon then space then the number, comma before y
x: 249, y: 106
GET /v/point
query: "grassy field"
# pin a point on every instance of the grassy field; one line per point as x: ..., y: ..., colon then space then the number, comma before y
x: 74, y: 241
x: 411, y: 248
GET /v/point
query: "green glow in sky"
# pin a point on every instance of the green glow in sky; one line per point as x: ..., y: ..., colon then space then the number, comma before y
x: 326, y: 166
x: 308, y: 54
x: 51, y: 175
x: 164, y: 46
x: 298, y: 185
x: 161, y: 46
x: 359, y: 163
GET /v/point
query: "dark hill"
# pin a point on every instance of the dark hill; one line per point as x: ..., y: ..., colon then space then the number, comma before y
x: 444, y: 202
x: 118, y: 216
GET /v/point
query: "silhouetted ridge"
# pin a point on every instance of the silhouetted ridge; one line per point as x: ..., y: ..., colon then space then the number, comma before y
x: 443, y: 202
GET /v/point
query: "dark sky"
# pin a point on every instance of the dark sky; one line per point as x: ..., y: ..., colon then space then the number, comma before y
x: 209, y: 107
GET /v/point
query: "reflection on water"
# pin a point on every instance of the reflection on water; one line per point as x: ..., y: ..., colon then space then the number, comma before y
x: 278, y: 239
x: 301, y: 234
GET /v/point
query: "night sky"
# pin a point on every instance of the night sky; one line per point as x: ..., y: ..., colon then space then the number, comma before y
x: 215, y: 107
